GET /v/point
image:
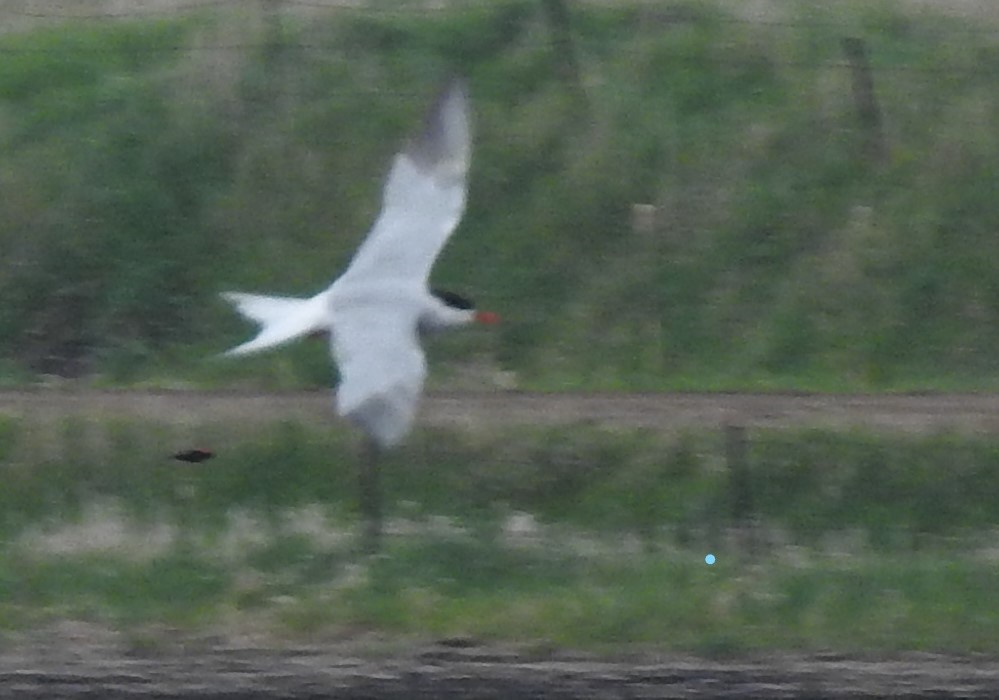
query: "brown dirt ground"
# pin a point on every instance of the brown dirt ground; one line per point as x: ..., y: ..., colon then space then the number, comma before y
x: 916, y: 413
x: 75, y: 660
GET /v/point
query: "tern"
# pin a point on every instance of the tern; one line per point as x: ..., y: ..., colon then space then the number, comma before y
x: 375, y: 312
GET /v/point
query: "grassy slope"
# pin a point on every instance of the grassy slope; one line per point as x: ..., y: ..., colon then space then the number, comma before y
x: 569, y: 536
x: 146, y: 169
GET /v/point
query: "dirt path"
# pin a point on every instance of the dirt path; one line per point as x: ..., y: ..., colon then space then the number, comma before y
x: 94, y: 668
x: 919, y: 413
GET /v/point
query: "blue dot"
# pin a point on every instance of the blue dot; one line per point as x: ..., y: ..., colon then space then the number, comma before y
x: 710, y: 559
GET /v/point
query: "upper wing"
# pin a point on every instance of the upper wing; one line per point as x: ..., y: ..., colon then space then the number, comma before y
x: 382, y: 368
x: 423, y: 198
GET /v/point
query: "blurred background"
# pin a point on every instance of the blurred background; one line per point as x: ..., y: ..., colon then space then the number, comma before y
x: 705, y: 195
x: 664, y: 194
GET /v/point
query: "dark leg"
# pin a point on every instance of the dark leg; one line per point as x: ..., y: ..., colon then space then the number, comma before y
x: 371, y: 496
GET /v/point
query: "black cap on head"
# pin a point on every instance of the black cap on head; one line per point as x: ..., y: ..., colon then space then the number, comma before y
x: 455, y: 301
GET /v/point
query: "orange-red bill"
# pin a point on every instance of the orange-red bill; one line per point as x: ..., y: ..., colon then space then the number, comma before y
x: 487, y: 317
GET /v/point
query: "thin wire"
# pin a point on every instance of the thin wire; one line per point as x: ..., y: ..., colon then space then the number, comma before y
x: 132, y: 14
x: 319, y: 47
x: 336, y: 7
x: 191, y: 6
x: 942, y: 69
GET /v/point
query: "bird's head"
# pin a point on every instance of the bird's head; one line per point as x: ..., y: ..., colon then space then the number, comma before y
x: 456, y: 310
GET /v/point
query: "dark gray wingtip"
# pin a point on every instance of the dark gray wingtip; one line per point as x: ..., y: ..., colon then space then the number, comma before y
x: 445, y: 142
x: 456, y: 88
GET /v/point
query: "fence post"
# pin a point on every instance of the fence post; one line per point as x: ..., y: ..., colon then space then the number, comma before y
x: 740, y: 486
x: 865, y: 101
x: 272, y: 27
x: 643, y: 220
x: 560, y: 27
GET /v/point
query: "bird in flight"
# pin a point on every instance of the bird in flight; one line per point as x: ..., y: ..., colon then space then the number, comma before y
x: 375, y: 312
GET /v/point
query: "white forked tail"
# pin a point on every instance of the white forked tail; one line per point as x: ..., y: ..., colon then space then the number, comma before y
x: 281, y: 319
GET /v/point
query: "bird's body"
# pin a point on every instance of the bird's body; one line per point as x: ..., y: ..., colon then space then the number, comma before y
x: 375, y: 312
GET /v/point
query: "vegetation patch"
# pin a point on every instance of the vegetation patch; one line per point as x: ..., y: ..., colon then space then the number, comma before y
x: 151, y: 164
x: 580, y: 537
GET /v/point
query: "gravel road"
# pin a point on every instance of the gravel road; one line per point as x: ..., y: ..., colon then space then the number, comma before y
x: 88, y: 663
x: 919, y: 413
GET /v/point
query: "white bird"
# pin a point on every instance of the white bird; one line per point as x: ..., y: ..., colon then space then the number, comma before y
x: 375, y: 311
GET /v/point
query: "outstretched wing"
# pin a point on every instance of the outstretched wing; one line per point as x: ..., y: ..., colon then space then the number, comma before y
x: 382, y: 368
x: 423, y: 198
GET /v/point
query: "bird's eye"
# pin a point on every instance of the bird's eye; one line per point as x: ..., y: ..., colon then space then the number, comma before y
x: 453, y: 300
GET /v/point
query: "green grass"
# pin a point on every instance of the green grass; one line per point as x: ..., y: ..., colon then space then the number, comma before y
x: 147, y: 169
x: 550, y: 590
x: 576, y: 536
x: 176, y: 589
x: 802, y: 482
